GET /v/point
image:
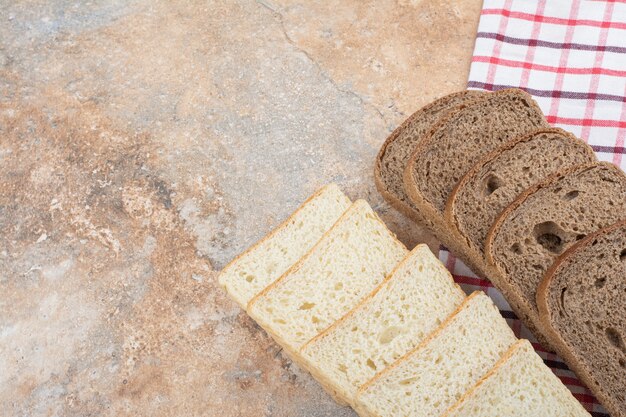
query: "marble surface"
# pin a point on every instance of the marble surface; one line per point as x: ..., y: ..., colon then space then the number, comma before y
x: 144, y: 144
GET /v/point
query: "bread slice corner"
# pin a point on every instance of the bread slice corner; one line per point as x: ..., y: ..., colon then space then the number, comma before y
x: 263, y: 263
x: 396, y: 150
x: 346, y: 264
x: 519, y: 385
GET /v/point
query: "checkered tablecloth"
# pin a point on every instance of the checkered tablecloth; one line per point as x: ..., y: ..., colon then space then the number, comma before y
x: 571, y: 57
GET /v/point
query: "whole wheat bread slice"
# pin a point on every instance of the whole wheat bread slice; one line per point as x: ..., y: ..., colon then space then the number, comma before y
x: 414, y: 299
x: 397, y: 149
x: 519, y: 385
x: 454, y: 144
x: 544, y: 221
x: 463, y: 137
x: 496, y: 180
x: 433, y: 376
x: 582, y: 301
x: 343, y: 267
x: 252, y: 271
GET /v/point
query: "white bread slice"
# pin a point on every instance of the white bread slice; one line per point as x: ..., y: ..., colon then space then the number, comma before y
x: 347, y: 263
x: 519, y: 385
x: 432, y: 377
x: 413, y: 301
x: 252, y: 271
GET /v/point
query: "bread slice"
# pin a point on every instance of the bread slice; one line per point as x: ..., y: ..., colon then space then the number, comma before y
x: 414, y: 299
x: 544, y: 221
x: 395, y: 152
x: 462, y: 138
x: 454, y: 145
x: 496, y: 180
x: 345, y: 265
x: 249, y: 273
x: 520, y: 385
x: 582, y: 301
x: 450, y: 361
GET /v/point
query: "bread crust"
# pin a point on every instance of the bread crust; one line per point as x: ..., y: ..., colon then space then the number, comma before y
x: 279, y: 228
x: 395, y: 202
x: 557, y: 341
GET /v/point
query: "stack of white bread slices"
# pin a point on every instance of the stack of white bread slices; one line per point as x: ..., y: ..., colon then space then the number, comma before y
x: 385, y: 330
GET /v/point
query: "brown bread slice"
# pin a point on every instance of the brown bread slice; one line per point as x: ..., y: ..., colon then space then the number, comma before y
x: 395, y: 152
x: 582, y: 301
x: 543, y: 222
x: 463, y: 137
x: 458, y: 140
x: 496, y: 180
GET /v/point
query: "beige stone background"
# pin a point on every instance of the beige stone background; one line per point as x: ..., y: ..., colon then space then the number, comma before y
x: 145, y: 143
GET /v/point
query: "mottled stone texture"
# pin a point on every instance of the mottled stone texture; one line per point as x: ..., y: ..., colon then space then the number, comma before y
x: 143, y: 144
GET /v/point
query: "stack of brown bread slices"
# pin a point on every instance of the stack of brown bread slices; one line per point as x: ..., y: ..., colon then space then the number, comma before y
x: 508, y: 194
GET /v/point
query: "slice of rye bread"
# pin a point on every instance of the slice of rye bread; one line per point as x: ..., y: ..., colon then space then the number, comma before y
x: 252, y: 271
x: 432, y: 377
x: 343, y: 267
x: 395, y: 152
x: 543, y: 222
x: 463, y: 137
x: 414, y: 299
x: 519, y: 385
x: 458, y: 140
x: 582, y: 301
x: 496, y: 180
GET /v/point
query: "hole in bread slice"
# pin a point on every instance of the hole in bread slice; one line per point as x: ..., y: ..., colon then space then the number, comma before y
x: 571, y: 195
x: 615, y: 338
x: 549, y: 236
x: 492, y: 183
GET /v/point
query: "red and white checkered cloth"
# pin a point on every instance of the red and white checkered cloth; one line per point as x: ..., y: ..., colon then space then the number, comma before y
x: 571, y: 57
